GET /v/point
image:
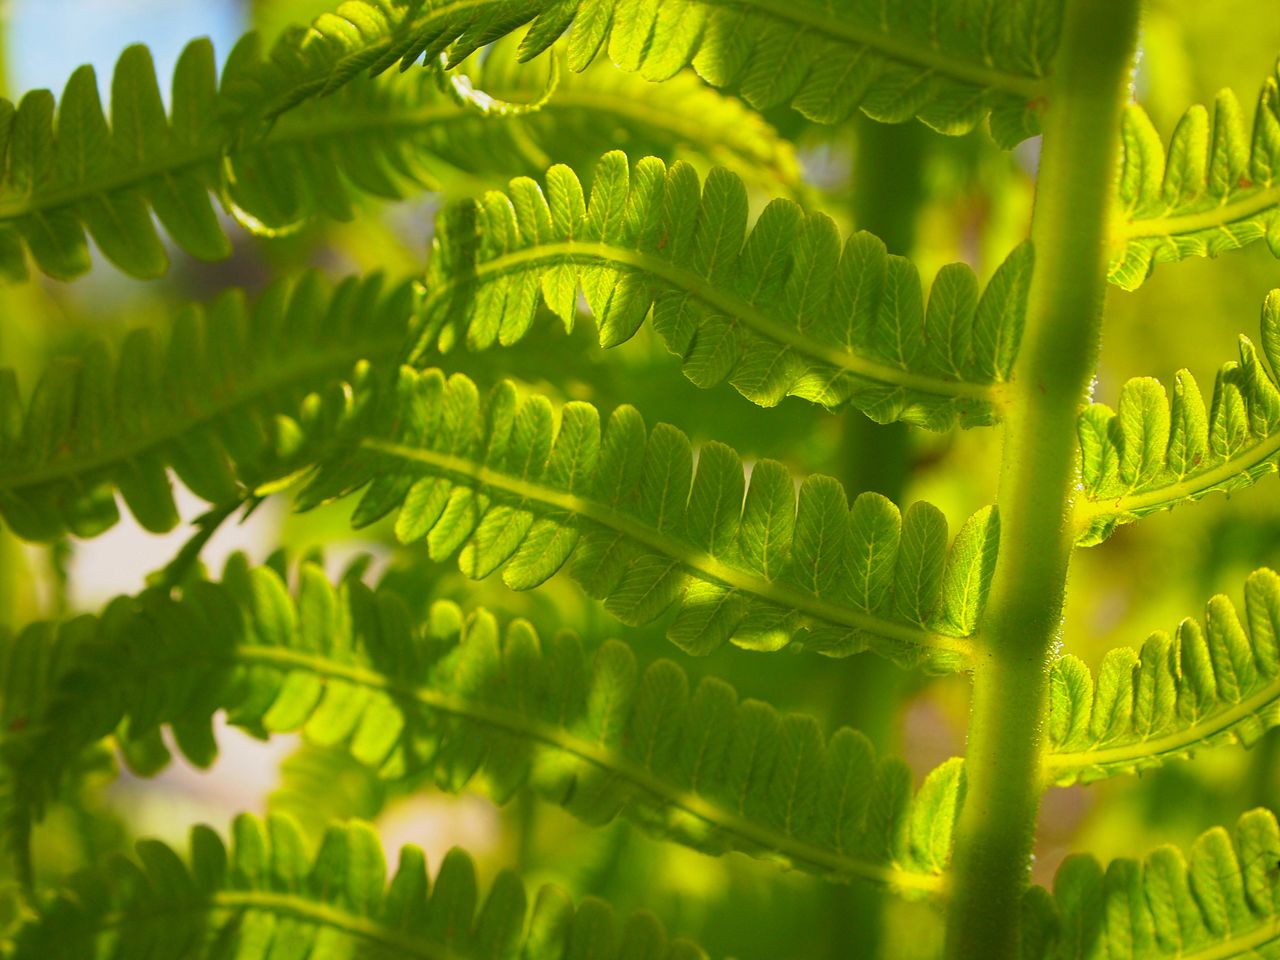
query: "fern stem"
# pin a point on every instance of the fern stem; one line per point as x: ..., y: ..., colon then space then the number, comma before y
x: 1069, y: 229
x: 207, y: 524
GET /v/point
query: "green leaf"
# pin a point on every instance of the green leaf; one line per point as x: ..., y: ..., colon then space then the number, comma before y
x: 645, y: 535
x: 265, y: 893
x: 220, y: 404
x: 1155, y: 453
x: 1221, y: 901
x: 456, y: 698
x: 950, y: 66
x: 1205, y: 685
x: 1216, y: 189
x: 776, y: 311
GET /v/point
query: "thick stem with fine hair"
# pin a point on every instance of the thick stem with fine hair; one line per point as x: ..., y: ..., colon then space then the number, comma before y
x: 1059, y: 350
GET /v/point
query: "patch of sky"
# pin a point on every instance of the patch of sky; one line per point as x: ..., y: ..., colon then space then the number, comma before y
x: 47, y: 39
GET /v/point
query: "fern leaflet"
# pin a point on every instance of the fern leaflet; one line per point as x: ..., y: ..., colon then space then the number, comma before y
x: 1221, y: 901
x: 1215, y: 189
x: 1152, y: 455
x: 781, y: 310
x: 1207, y: 684
x: 951, y: 65
x: 220, y: 405
x: 267, y: 895
x: 459, y: 699
x: 510, y: 487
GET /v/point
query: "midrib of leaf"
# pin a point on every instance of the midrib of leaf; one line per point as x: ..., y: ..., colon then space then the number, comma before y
x: 1238, y: 946
x: 678, y: 550
x: 1220, y: 216
x: 882, y: 41
x: 582, y: 251
x: 291, y: 905
x: 799, y: 851
x: 341, y: 357
x: 1169, y: 743
x: 1172, y: 493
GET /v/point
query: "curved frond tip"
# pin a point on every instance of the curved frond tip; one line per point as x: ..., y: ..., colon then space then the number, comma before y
x: 515, y: 485
x: 1153, y: 454
x: 428, y: 691
x: 781, y: 309
x: 1220, y: 900
x: 1209, y: 683
x: 266, y: 893
x: 1216, y: 188
x: 221, y: 404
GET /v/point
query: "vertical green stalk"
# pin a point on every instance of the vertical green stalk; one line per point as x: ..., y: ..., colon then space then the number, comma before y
x: 888, y: 189
x: 1010, y: 679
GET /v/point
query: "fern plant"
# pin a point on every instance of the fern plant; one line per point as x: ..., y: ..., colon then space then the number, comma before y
x: 618, y: 182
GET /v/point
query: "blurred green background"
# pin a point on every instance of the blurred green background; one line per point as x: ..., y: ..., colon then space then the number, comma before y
x: 934, y: 198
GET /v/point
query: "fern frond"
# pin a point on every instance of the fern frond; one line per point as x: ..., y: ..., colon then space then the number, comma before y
x: 380, y: 137
x: 268, y: 895
x: 463, y: 700
x: 1223, y: 900
x: 218, y: 404
x: 521, y: 487
x: 1215, y: 189
x: 776, y: 311
x: 1151, y: 455
x: 951, y: 65
x: 1208, y: 684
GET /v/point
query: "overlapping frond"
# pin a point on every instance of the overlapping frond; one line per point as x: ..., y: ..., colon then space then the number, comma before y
x: 1209, y: 683
x: 951, y: 65
x: 781, y: 309
x: 461, y: 699
x: 267, y: 895
x: 317, y: 785
x: 515, y: 485
x: 1220, y: 901
x: 1215, y: 189
x: 385, y: 137
x: 605, y: 108
x: 220, y: 404
x: 1152, y: 455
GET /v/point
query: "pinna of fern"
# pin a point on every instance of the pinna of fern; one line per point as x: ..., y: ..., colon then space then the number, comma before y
x: 1221, y: 899
x: 1215, y: 188
x: 781, y: 309
x: 266, y: 892
x: 1209, y: 683
x: 458, y: 699
x: 1154, y: 453
x: 510, y: 484
x: 223, y: 403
